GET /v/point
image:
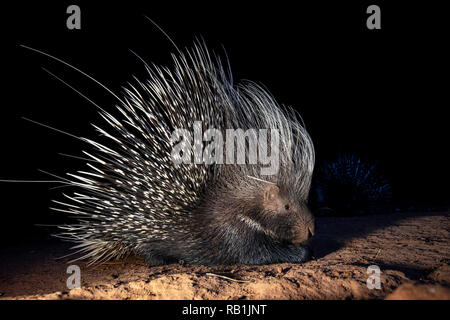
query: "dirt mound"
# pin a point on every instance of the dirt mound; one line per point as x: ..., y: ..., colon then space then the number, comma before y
x: 411, y: 291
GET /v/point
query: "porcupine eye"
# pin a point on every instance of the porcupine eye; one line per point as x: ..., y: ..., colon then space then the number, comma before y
x: 286, y: 207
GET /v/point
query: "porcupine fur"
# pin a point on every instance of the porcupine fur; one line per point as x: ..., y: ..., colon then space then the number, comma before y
x: 134, y: 199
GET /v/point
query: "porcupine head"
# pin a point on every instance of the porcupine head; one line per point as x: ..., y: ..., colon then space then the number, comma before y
x: 137, y: 198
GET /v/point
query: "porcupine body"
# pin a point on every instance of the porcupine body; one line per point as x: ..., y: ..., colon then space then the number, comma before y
x: 135, y: 199
x: 349, y: 185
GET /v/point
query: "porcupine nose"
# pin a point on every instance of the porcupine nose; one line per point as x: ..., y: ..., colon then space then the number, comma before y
x: 311, y: 229
x: 304, y: 231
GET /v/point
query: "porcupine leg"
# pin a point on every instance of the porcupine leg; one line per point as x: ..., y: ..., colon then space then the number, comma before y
x: 156, y: 257
x: 293, y: 254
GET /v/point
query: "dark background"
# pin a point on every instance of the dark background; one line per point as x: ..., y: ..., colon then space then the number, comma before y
x: 382, y: 94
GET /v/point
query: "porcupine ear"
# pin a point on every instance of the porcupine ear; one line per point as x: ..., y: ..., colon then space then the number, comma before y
x: 271, y: 192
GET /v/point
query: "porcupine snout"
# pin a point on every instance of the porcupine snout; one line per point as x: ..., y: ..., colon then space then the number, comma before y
x: 304, y: 229
x: 291, y: 219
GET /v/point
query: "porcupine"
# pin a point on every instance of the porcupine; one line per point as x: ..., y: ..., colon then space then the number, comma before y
x: 349, y: 185
x: 135, y: 200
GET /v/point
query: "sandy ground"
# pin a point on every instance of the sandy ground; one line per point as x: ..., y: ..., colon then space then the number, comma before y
x: 411, y: 249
